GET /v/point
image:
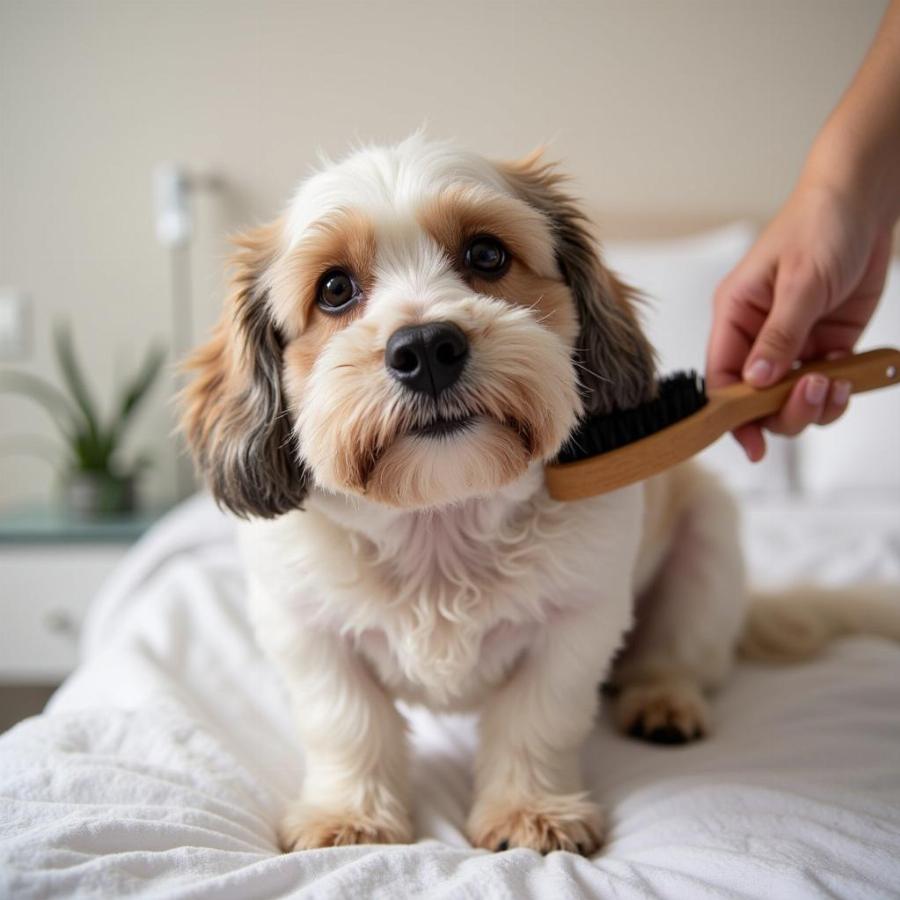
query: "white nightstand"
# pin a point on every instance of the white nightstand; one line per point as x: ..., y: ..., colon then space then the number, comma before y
x: 51, y: 567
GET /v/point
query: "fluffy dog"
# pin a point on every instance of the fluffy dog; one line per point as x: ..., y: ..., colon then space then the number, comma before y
x: 403, y: 352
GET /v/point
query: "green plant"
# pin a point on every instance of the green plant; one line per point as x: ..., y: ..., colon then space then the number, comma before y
x: 92, y: 445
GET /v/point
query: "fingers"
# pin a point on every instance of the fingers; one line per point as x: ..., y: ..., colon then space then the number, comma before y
x: 805, y: 290
x: 836, y: 406
x: 813, y: 401
x: 739, y: 312
x: 799, y: 299
x: 752, y: 439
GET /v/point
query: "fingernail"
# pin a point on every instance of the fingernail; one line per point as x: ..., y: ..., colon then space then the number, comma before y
x: 840, y: 392
x: 816, y: 389
x: 758, y: 372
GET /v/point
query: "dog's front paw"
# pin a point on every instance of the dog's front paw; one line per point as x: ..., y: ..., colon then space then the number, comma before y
x: 544, y: 824
x: 663, y: 712
x: 306, y: 827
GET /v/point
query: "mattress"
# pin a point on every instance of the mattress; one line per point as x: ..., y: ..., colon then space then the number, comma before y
x: 161, y: 767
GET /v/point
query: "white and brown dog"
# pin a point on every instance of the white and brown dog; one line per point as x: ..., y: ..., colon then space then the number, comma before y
x: 403, y: 352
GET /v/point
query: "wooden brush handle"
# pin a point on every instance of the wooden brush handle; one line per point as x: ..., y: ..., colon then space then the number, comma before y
x: 865, y: 371
x: 727, y: 408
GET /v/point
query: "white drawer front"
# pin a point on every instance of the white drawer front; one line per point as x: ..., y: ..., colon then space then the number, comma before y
x: 44, y: 595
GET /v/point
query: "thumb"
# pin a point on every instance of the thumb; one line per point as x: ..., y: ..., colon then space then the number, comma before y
x: 797, y: 300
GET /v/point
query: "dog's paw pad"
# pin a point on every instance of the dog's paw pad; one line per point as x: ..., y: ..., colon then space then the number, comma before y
x: 663, y: 713
x: 663, y: 734
x: 554, y: 823
x: 308, y: 828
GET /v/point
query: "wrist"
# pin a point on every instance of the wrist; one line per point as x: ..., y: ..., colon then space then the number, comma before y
x: 864, y: 179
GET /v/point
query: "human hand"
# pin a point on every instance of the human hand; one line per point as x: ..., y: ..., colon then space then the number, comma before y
x: 805, y: 290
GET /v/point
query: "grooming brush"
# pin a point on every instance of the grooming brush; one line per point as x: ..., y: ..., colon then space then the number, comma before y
x: 611, y: 451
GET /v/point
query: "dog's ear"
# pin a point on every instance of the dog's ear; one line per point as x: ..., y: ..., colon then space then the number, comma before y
x: 235, y: 417
x: 615, y: 362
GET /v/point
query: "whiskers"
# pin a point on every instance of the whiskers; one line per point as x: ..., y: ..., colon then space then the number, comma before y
x: 533, y: 306
x: 590, y: 371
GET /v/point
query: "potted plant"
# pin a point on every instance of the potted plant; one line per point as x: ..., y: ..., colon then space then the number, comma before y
x: 94, y: 479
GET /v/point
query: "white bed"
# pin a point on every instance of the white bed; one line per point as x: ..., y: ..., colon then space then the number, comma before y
x: 162, y: 765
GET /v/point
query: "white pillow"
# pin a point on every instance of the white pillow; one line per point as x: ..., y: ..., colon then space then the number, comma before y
x: 860, y: 453
x: 679, y: 277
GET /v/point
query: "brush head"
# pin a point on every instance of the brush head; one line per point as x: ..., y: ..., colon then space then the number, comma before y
x: 679, y: 396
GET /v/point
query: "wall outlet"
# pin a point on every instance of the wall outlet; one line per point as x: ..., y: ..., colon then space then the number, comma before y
x: 15, y: 322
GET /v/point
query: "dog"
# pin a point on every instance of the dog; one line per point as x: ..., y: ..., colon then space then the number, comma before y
x: 403, y: 352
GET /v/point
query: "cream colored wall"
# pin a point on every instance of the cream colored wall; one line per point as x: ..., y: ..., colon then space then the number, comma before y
x: 695, y: 109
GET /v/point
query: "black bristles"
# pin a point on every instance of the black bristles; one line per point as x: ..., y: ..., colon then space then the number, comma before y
x: 680, y: 395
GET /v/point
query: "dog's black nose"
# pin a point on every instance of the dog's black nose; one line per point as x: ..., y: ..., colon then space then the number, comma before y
x: 427, y: 358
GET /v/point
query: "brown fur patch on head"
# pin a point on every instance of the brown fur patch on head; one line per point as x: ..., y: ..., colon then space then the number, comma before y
x: 551, y: 300
x: 616, y: 365
x: 234, y: 412
x: 343, y: 240
x: 460, y: 213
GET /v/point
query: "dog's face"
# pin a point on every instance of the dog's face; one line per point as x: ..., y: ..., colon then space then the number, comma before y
x: 418, y: 328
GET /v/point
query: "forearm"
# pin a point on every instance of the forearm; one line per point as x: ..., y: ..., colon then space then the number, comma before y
x: 857, y: 152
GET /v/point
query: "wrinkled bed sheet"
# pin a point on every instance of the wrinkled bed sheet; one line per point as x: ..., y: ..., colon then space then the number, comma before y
x: 162, y: 765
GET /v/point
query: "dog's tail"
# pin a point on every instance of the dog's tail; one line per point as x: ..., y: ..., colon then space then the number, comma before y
x: 796, y: 624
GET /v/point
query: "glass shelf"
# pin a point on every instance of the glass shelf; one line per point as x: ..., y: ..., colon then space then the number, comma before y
x: 31, y: 525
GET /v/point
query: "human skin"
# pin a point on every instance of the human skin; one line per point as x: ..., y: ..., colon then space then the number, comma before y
x: 811, y: 282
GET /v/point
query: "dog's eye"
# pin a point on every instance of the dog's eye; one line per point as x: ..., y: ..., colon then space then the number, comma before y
x: 486, y: 257
x: 337, y: 290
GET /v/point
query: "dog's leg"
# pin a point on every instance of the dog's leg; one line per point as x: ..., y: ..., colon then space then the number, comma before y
x: 688, y: 621
x: 354, y: 740
x: 529, y: 791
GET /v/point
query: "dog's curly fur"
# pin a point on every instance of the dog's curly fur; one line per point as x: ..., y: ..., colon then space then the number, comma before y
x: 385, y: 563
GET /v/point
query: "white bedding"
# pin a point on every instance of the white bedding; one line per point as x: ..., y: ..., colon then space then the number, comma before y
x: 162, y: 765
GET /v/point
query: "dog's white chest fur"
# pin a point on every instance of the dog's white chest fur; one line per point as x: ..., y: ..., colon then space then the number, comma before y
x: 441, y: 604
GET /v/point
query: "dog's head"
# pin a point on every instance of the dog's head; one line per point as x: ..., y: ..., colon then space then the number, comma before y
x: 419, y: 327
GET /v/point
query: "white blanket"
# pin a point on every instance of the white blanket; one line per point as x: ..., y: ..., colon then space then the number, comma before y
x: 162, y: 766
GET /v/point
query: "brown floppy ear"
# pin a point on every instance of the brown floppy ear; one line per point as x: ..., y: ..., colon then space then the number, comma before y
x: 235, y: 417
x: 615, y: 362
